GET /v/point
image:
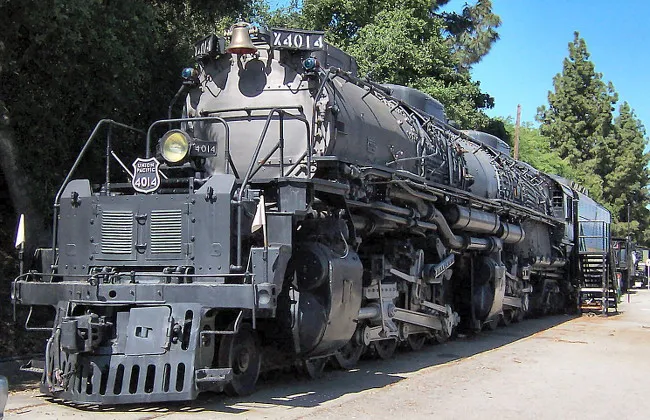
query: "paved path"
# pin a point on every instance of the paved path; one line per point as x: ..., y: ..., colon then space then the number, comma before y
x: 552, y: 368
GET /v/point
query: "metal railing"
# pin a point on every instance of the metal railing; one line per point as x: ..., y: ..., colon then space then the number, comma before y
x: 282, y: 114
x: 82, y: 153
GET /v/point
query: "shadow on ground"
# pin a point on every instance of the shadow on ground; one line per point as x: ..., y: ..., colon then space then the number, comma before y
x: 285, y: 389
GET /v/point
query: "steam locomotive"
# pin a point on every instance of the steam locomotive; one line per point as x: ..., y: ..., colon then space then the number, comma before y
x: 293, y: 213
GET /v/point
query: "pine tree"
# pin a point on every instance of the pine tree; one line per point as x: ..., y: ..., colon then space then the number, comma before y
x: 578, y: 119
x: 624, y: 169
x: 472, y: 32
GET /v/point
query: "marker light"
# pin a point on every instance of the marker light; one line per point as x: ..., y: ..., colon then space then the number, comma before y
x: 189, y: 73
x: 175, y: 146
x: 310, y: 64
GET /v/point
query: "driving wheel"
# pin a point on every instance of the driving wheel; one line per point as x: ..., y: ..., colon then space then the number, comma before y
x: 348, y: 356
x: 312, y: 368
x: 416, y: 341
x: 385, y: 348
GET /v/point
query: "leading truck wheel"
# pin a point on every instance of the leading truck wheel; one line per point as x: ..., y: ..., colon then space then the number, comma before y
x: 241, y: 352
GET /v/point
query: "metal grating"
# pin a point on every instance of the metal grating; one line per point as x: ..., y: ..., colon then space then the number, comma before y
x: 166, y: 231
x: 117, y: 232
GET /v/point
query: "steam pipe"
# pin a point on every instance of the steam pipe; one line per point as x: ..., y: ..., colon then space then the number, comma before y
x: 434, y: 220
x: 473, y: 220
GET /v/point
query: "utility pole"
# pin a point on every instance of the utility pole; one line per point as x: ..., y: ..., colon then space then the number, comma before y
x: 630, y: 258
x: 517, y: 131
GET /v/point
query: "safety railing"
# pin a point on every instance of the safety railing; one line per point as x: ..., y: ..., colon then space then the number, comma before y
x: 282, y: 115
x: 82, y: 153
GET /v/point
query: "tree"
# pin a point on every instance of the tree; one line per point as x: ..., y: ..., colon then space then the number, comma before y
x: 67, y: 64
x: 406, y: 42
x: 472, y: 32
x: 625, y: 172
x: 579, y: 115
x: 579, y: 119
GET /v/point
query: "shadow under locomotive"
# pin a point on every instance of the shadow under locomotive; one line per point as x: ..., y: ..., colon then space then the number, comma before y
x: 280, y: 387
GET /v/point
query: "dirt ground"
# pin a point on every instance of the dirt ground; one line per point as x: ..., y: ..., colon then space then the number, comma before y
x: 550, y: 368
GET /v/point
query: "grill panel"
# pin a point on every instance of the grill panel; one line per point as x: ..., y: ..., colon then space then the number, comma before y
x: 166, y: 231
x: 117, y: 232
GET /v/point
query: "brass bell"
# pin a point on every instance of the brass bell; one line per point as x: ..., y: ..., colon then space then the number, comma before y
x: 240, y: 40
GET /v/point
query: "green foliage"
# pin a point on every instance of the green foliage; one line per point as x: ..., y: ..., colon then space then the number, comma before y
x: 534, y: 148
x: 472, y: 32
x: 624, y: 168
x: 580, y: 109
x: 68, y: 64
x: 609, y: 157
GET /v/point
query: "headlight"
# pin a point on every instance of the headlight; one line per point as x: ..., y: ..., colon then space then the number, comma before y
x: 175, y: 146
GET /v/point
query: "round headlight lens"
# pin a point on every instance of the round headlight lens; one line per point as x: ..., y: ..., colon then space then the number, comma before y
x: 175, y: 146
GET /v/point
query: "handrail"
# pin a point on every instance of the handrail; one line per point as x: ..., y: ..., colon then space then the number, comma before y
x: 192, y: 119
x: 249, y: 172
x: 57, y: 198
x: 250, y: 110
x: 281, y: 111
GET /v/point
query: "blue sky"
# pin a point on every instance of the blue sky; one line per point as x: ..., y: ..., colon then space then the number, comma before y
x: 533, y: 42
x: 534, y: 38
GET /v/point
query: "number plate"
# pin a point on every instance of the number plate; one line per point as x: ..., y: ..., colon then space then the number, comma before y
x: 298, y: 40
x: 203, y: 148
x: 146, y: 177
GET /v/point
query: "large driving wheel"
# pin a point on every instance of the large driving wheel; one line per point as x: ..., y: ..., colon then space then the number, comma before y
x: 348, y: 356
x: 385, y: 348
x: 416, y: 341
x: 241, y: 352
x: 440, y: 337
x: 505, y: 318
x: 312, y: 368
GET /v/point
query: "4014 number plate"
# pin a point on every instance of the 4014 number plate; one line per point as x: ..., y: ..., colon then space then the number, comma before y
x: 146, y: 176
x: 298, y: 40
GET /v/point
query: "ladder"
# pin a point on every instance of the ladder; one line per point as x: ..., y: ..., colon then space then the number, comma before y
x: 597, y: 287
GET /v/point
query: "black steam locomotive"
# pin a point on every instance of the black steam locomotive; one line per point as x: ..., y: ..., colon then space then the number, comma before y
x: 294, y: 213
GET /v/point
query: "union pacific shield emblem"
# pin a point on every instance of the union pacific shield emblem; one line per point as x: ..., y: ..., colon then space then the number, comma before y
x: 146, y: 177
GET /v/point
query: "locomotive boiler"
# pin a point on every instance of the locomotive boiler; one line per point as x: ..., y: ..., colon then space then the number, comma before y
x: 294, y: 213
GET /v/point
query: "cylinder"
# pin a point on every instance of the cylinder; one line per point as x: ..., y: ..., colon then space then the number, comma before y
x: 465, y: 218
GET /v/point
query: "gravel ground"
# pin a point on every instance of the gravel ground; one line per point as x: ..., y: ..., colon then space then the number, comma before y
x: 550, y: 368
